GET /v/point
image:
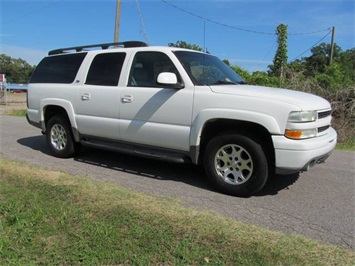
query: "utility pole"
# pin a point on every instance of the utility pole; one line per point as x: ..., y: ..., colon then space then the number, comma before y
x: 117, y: 21
x: 332, y: 47
x: 204, y: 36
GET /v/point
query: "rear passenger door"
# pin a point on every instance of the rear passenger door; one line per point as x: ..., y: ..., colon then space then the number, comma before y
x: 99, y: 97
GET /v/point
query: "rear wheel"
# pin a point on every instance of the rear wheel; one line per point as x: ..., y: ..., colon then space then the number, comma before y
x: 236, y: 164
x: 60, y: 139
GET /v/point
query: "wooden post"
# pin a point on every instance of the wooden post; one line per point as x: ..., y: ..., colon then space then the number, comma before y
x: 332, y: 47
x: 117, y: 21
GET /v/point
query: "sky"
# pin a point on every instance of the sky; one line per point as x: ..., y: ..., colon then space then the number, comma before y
x: 242, y: 31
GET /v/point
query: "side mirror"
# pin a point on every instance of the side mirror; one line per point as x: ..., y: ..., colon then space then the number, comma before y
x: 169, y: 79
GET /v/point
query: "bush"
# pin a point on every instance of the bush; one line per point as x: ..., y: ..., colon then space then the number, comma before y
x: 343, y: 104
x: 341, y: 99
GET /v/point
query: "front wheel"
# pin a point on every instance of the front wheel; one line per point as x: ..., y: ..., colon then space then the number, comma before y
x: 60, y: 139
x: 236, y: 165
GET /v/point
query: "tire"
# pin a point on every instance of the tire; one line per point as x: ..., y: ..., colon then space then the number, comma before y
x: 59, y: 137
x: 236, y: 165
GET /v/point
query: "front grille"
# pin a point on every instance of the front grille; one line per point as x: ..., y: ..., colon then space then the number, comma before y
x: 321, y: 129
x: 324, y: 114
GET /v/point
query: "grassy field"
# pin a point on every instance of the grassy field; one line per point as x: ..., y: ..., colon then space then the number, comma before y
x: 51, y: 218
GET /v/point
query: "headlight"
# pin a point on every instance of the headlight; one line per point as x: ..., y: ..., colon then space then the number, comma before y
x: 301, y: 133
x: 302, y: 116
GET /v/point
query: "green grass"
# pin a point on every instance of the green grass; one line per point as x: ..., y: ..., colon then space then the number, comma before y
x: 48, y: 217
x: 16, y: 112
x: 349, y: 145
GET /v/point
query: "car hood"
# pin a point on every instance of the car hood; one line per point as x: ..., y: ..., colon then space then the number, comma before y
x: 305, y: 101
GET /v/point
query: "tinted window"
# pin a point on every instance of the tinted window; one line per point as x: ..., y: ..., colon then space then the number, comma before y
x: 147, y: 66
x: 106, y: 69
x: 58, y: 69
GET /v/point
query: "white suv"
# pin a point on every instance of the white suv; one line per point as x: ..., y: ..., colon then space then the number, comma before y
x: 180, y: 105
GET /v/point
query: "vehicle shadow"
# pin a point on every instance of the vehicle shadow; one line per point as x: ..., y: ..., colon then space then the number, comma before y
x: 37, y: 143
x: 150, y: 168
x: 277, y: 183
x: 184, y: 173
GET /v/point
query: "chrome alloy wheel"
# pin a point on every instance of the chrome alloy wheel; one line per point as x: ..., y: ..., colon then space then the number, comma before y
x: 233, y: 164
x: 58, y: 137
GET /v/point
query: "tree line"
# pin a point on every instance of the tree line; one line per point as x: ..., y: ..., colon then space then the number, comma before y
x: 16, y: 70
x: 314, y: 68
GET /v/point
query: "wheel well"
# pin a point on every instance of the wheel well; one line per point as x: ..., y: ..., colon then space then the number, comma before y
x: 52, y: 110
x: 252, y: 130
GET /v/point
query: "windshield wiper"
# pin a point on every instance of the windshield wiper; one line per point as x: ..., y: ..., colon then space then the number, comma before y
x: 220, y: 82
x: 225, y: 82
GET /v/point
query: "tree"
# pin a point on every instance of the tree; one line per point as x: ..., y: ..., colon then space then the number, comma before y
x: 333, y: 77
x: 296, y: 65
x: 183, y: 44
x: 347, y: 61
x: 340, y: 74
x: 242, y: 72
x: 15, y: 70
x: 317, y: 62
x: 280, y: 59
x: 226, y: 61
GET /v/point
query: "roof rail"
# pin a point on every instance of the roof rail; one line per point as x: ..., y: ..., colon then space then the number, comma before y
x: 102, y: 45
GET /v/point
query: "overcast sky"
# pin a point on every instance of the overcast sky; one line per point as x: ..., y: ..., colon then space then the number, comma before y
x: 241, y: 31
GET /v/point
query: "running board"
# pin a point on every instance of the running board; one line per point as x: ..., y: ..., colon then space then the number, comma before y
x: 141, y: 151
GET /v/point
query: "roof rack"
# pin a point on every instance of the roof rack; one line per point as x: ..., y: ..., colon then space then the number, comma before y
x: 102, y: 45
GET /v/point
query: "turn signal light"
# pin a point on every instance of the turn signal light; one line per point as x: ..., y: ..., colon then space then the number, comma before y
x: 300, y: 134
x: 293, y: 134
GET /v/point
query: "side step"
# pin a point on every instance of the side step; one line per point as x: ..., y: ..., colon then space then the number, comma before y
x: 142, y: 151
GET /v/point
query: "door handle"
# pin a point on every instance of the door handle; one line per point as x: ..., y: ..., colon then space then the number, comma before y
x: 127, y: 99
x: 86, y: 97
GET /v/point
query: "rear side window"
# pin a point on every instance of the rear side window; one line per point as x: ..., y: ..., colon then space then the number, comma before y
x: 58, y: 69
x: 105, y: 69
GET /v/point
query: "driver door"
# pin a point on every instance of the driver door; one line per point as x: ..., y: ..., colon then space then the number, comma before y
x: 151, y: 114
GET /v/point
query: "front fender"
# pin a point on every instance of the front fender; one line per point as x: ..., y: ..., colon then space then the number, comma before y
x: 205, y: 116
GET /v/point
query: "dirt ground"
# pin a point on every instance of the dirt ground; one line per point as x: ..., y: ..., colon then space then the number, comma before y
x: 15, y: 100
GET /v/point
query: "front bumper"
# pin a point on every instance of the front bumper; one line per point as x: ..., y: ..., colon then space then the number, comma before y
x: 300, y: 155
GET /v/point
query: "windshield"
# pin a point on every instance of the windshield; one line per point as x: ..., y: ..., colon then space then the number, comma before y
x: 205, y: 69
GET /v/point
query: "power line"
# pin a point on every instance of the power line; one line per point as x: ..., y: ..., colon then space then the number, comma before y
x: 142, y: 23
x: 311, y: 32
x: 312, y: 46
x: 234, y: 27
x: 33, y: 12
x: 267, y: 54
x: 213, y: 21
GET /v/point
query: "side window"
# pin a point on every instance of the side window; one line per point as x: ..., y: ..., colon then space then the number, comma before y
x: 147, y: 66
x: 105, y: 69
x: 58, y: 69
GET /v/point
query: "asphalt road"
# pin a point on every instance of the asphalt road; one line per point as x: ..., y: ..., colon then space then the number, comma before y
x: 318, y: 204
